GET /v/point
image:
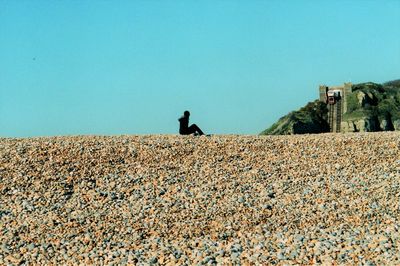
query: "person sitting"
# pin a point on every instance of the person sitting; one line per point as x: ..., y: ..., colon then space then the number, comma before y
x: 184, y: 128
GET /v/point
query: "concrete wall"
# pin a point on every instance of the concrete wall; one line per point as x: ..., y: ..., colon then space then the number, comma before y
x: 322, y: 90
x: 345, y: 90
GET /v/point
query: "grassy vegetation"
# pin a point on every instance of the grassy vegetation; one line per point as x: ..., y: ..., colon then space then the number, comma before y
x: 356, y: 115
x: 352, y: 102
x: 384, y: 103
x: 311, y: 118
x: 272, y: 128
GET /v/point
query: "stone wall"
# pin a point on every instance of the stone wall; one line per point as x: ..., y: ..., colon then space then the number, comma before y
x: 369, y: 124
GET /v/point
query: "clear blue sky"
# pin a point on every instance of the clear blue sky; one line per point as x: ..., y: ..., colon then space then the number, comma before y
x: 133, y: 67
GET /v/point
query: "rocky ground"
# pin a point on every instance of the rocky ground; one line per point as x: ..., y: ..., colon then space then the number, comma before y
x: 276, y: 200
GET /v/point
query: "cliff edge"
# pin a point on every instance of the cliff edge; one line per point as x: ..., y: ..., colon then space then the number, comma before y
x: 371, y: 107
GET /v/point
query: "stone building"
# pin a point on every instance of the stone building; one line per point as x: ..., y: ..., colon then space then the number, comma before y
x: 345, y: 89
x: 336, y: 98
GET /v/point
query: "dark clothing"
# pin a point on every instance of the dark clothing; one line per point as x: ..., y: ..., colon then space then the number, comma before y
x: 184, y: 128
x: 183, y: 125
x: 194, y: 129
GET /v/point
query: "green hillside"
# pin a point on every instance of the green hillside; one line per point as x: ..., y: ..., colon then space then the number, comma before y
x: 311, y: 118
x: 370, y: 107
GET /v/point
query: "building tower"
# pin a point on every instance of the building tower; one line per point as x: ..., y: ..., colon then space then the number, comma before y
x: 336, y: 99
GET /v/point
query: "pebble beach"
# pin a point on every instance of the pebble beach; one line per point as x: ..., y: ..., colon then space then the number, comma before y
x: 326, y: 199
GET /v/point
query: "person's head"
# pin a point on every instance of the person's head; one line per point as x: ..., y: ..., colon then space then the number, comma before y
x: 186, y: 114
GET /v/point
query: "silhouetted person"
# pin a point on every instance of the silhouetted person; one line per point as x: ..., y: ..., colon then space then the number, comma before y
x: 184, y: 128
